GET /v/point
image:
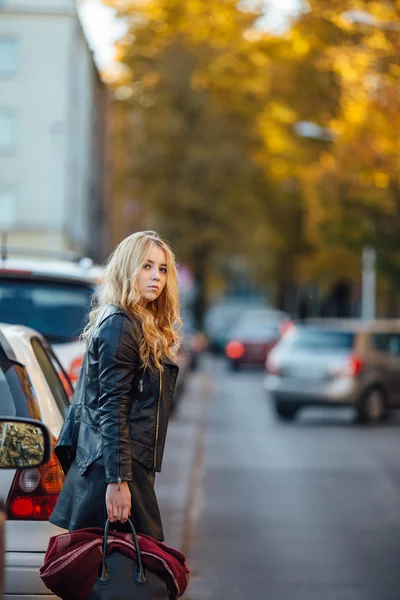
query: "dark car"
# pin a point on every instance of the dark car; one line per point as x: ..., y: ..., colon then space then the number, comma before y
x: 253, y: 338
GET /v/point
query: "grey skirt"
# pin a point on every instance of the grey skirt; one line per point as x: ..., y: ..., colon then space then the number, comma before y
x: 82, y: 500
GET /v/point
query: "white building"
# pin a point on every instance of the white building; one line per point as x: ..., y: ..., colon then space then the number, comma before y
x: 52, y: 129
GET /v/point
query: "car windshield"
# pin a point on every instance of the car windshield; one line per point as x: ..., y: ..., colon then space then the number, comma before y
x: 320, y: 339
x: 55, y: 309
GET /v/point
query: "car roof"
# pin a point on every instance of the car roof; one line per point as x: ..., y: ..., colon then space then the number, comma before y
x: 263, y: 314
x: 353, y: 325
x: 59, y: 270
x: 18, y: 335
x: 21, y: 331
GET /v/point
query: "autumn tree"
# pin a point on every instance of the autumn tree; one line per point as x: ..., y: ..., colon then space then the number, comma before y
x: 352, y: 189
x: 194, y: 82
x: 210, y: 149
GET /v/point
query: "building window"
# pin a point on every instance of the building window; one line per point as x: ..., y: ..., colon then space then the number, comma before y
x: 8, y: 129
x: 8, y: 55
x: 8, y: 207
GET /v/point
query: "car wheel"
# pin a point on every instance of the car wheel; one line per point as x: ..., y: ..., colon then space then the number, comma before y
x: 194, y: 362
x: 286, y: 412
x: 372, y: 408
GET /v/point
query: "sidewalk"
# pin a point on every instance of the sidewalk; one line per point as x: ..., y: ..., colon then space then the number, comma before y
x: 178, y: 486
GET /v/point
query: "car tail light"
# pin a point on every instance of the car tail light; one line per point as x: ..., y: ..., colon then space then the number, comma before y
x: 15, y: 272
x: 354, y: 365
x: 234, y: 350
x: 74, y: 368
x: 34, y: 492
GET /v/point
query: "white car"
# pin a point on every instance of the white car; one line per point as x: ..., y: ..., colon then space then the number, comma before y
x: 30, y: 386
x: 53, y: 297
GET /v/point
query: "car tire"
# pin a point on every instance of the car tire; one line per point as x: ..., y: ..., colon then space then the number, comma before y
x: 194, y: 362
x: 286, y: 412
x: 234, y: 365
x: 372, y: 407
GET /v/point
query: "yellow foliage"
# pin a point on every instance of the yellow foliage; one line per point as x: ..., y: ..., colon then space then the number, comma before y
x: 258, y: 58
x: 300, y: 46
x: 150, y: 79
x: 226, y: 73
x: 355, y: 113
x: 381, y: 179
x: 275, y: 139
x: 282, y: 113
x: 365, y: 178
x: 379, y: 41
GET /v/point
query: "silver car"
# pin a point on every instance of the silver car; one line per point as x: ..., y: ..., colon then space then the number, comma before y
x: 23, y: 443
x: 336, y: 363
x: 33, y: 385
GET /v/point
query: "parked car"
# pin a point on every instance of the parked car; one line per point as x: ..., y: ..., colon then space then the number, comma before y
x: 336, y: 363
x: 184, y: 357
x: 254, y: 336
x: 53, y: 297
x: 193, y: 341
x: 30, y: 388
x: 221, y: 318
x: 23, y: 443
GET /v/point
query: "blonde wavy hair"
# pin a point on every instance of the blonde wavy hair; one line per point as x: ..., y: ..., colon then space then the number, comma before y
x: 159, y: 320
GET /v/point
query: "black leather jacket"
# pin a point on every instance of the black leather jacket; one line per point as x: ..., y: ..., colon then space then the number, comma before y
x: 119, y: 410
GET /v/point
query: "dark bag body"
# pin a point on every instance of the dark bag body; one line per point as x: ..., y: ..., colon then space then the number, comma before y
x: 122, y: 578
x: 121, y: 584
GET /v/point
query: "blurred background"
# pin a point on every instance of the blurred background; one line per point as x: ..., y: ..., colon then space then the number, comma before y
x: 261, y: 138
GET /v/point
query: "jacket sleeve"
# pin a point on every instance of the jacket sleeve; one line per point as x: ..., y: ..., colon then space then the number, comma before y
x: 118, y: 365
x: 67, y: 442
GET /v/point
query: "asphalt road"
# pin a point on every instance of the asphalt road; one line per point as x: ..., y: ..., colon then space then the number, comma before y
x: 275, y: 511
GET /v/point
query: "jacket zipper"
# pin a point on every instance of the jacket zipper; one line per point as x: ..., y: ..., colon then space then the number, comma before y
x: 119, y: 467
x: 157, y: 421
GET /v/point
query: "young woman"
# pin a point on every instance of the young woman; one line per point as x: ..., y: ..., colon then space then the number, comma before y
x: 112, y: 442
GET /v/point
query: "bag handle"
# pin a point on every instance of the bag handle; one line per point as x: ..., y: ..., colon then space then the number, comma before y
x: 140, y: 575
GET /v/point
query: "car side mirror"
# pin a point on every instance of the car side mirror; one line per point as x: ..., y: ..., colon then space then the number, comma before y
x: 23, y: 443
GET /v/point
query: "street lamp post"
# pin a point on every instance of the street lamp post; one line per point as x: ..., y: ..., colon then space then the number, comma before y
x: 368, y: 284
x: 363, y: 17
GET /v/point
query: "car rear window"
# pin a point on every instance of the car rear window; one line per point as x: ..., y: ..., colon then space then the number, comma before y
x: 386, y: 342
x: 256, y: 331
x: 56, y: 309
x: 17, y: 397
x: 52, y: 377
x: 322, y: 339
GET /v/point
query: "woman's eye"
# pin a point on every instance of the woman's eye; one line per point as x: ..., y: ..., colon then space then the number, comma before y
x: 163, y: 270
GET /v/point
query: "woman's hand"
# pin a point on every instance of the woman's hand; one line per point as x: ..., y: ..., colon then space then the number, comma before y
x: 118, y: 503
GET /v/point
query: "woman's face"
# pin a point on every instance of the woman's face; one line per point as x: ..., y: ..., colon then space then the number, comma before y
x: 153, y: 275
